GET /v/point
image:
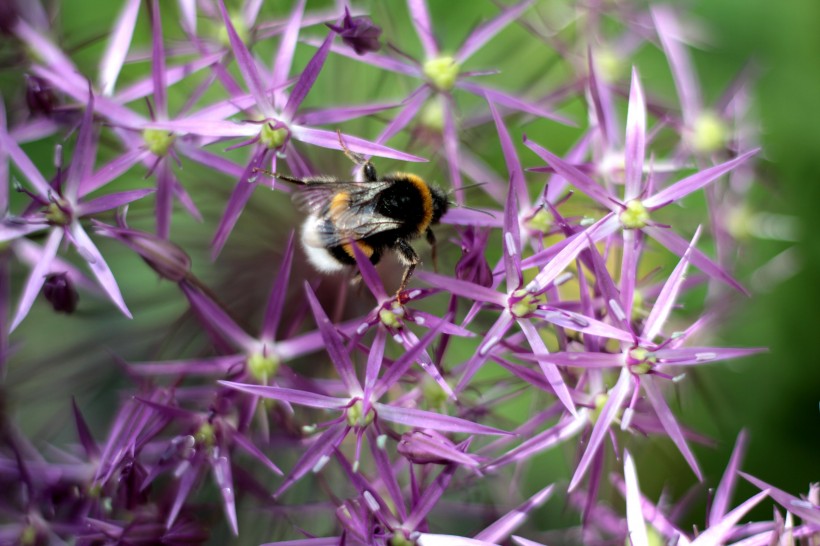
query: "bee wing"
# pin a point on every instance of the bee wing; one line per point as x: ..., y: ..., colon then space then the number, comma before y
x: 354, y: 219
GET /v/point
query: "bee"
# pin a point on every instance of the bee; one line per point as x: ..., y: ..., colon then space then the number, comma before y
x: 378, y: 214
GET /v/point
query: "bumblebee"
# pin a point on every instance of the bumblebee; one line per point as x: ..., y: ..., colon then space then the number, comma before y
x: 377, y: 214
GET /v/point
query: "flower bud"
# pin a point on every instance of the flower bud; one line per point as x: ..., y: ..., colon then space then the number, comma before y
x: 60, y: 293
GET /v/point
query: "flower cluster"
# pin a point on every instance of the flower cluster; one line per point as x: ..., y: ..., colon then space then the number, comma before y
x: 354, y: 414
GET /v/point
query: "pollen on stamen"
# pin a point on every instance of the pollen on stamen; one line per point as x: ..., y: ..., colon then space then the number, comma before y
x: 420, y: 321
x: 414, y: 294
x: 705, y: 357
x: 617, y: 309
x: 626, y: 420
x: 381, y: 441
x: 488, y: 345
x: 362, y: 328
x: 371, y: 501
x: 511, y: 250
x: 562, y: 278
x: 320, y: 464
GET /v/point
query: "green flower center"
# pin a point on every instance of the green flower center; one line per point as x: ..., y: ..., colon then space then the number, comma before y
x: 57, y: 213
x: 635, y: 215
x: 158, y: 141
x: 273, y: 138
x: 640, y: 360
x: 400, y: 539
x: 708, y: 133
x: 522, y: 303
x: 262, y: 367
x: 28, y: 536
x: 442, y: 72
x: 432, y: 115
x: 609, y: 65
x: 356, y: 417
x: 541, y: 221
x: 238, y: 25
x: 391, y: 318
x: 206, y: 435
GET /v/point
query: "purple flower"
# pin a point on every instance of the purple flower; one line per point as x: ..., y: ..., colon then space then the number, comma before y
x: 358, y: 32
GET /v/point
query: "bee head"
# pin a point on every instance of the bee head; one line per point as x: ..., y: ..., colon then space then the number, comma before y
x: 440, y: 204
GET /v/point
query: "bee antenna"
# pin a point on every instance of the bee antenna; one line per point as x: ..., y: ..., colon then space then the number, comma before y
x: 488, y: 213
x: 469, y: 187
x: 284, y: 177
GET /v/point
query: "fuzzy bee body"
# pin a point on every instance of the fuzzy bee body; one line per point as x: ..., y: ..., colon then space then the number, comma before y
x: 377, y: 214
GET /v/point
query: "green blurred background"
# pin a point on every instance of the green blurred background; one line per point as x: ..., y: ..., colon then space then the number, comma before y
x: 774, y: 396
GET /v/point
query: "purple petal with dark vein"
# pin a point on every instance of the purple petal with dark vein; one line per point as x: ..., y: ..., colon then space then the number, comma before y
x: 375, y: 356
x: 284, y: 54
x: 511, y: 241
x: 717, y: 534
x: 670, y: 424
x: 466, y: 217
x: 510, y: 101
x: 164, y: 201
x: 370, y: 276
x: 217, y: 365
x: 334, y: 345
x: 601, y: 98
x: 420, y: 16
x: 319, y: 449
x: 11, y: 230
x: 635, y: 149
x: 403, y: 363
x: 487, y: 31
x: 307, y: 78
x: 247, y: 65
x: 30, y: 253
x: 373, y: 59
x: 702, y: 355
x: 330, y: 116
x: 278, y: 293
x: 726, y: 488
x: 205, y: 127
x: 581, y: 323
x: 221, y: 467
x: 614, y: 401
x: 566, y: 428
x: 551, y: 372
x: 599, y: 230
x: 578, y: 360
x: 669, y: 293
x: 632, y: 250
x: 112, y: 170
x: 605, y: 283
x: 111, y: 201
x: 211, y: 160
x: 517, y: 181
x: 808, y: 512
x: 682, y: 188
x: 25, y: 166
x: 573, y: 175
x: 678, y: 245
x: 92, y: 450
x: 410, y: 107
x: 85, y: 152
x: 432, y: 321
x: 98, y: 266
x: 241, y: 193
x: 430, y: 497
x: 501, y: 529
x: 184, y: 486
x: 293, y: 396
x: 79, y: 92
x: 329, y: 139
x: 173, y: 75
x: 217, y: 318
x: 679, y: 62
x: 118, y: 44
x: 465, y: 289
x: 413, y: 417
x: 158, y: 64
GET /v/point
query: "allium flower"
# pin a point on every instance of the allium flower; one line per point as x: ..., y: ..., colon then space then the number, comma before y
x: 358, y: 32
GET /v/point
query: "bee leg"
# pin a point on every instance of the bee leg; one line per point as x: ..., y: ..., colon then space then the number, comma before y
x: 410, y: 259
x: 431, y: 238
x: 368, y: 170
